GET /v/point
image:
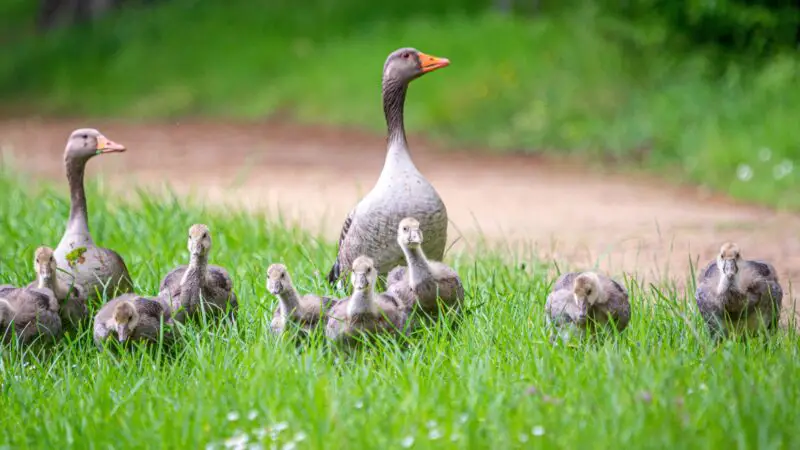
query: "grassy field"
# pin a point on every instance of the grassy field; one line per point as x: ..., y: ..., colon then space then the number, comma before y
x: 572, y: 82
x: 495, y: 383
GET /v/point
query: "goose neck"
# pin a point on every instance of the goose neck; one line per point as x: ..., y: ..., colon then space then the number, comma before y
x: 362, y: 302
x: 78, y: 212
x: 289, y: 302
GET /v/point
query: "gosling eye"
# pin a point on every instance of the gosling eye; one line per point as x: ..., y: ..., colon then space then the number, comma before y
x: 405, y: 229
x: 369, y: 269
x: 283, y: 275
x: 588, y: 292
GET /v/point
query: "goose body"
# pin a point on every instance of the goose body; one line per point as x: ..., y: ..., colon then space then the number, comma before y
x: 423, y: 286
x: 29, y: 313
x: 86, y: 264
x: 131, y: 318
x: 581, y: 302
x: 401, y: 190
x: 199, y: 285
x: 366, y: 313
x: 738, y: 295
x: 294, y: 311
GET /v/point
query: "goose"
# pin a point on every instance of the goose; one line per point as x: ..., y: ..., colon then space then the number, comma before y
x: 423, y: 284
x: 130, y: 318
x: 189, y: 286
x: 30, y: 313
x: 71, y: 297
x: 401, y: 190
x: 582, y: 302
x: 89, y: 265
x: 305, y: 311
x: 365, y: 311
x: 738, y: 295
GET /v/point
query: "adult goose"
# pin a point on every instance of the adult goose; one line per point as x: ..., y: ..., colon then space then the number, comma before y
x: 737, y: 295
x: 401, y: 190
x: 580, y: 303
x: 90, y: 266
x: 199, y: 285
x: 29, y: 313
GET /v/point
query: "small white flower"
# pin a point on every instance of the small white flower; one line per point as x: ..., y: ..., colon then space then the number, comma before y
x: 764, y: 154
x: 210, y: 446
x: 455, y: 437
x: 523, y: 438
x: 359, y: 404
x: 434, y: 434
x: 252, y: 415
x: 783, y: 169
x: 237, y: 441
x: 431, y: 424
x: 255, y: 446
x: 233, y: 416
x: 703, y: 387
x: 538, y: 430
x: 463, y: 418
x: 260, y: 433
x: 744, y: 172
x: 407, y: 442
x: 289, y: 446
x: 300, y: 436
x: 280, y: 426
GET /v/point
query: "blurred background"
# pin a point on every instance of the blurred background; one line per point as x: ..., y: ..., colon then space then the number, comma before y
x: 700, y: 95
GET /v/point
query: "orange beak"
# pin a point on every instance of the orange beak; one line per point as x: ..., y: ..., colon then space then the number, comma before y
x: 105, y: 145
x: 430, y: 63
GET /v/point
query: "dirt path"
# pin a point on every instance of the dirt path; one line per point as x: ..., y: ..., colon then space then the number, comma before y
x: 316, y: 175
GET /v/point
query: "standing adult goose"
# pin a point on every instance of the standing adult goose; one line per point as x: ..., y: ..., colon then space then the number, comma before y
x: 130, y: 318
x: 303, y: 312
x: 737, y: 295
x: 365, y: 313
x: 582, y: 302
x: 29, y: 313
x: 71, y: 297
x: 198, y: 283
x: 423, y: 285
x: 401, y: 190
x: 90, y: 266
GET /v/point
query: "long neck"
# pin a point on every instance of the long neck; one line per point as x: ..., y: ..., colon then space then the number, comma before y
x: 394, y: 99
x: 194, y: 279
x: 78, y: 213
x: 362, y: 302
x: 289, y: 302
x: 60, y: 290
x: 418, y: 267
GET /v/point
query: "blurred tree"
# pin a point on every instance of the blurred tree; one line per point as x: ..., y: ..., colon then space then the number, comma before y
x: 54, y: 13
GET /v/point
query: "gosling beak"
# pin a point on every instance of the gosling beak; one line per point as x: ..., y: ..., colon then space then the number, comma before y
x: 122, y: 333
x: 105, y: 145
x: 729, y: 268
x: 361, y: 281
x: 430, y: 63
x: 274, y: 288
x: 414, y: 237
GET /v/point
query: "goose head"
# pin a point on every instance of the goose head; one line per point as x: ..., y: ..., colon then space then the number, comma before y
x: 199, y: 240
x: 44, y: 263
x: 85, y: 143
x: 587, y: 289
x: 126, y: 318
x: 407, y: 64
x: 728, y: 259
x: 278, y: 280
x: 409, y: 234
x: 364, y: 273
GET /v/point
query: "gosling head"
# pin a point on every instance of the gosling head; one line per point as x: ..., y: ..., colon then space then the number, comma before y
x: 126, y: 318
x: 44, y: 263
x: 587, y: 288
x: 199, y: 240
x: 278, y: 280
x: 407, y: 64
x: 364, y: 273
x: 728, y: 259
x: 85, y: 143
x: 409, y: 234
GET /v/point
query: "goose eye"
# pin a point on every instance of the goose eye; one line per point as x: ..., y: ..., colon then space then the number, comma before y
x: 85, y: 136
x: 406, y: 55
x: 405, y: 229
x: 283, y: 275
x: 588, y: 292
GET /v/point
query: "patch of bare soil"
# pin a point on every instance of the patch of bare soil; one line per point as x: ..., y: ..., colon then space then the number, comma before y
x: 316, y: 175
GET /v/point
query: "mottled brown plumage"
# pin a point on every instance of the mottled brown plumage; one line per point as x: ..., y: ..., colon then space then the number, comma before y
x: 132, y: 318
x: 581, y: 302
x: 30, y: 314
x: 365, y: 313
x: 423, y: 286
x: 197, y: 284
x: 401, y: 190
x: 295, y: 312
x: 737, y: 295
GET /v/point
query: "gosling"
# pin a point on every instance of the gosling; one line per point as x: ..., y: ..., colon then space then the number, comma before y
x: 738, y: 296
x: 30, y: 314
x: 294, y: 311
x: 72, y: 298
x: 131, y: 318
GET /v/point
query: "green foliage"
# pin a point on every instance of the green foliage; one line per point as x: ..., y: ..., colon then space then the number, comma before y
x: 495, y: 383
x: 577, y: 80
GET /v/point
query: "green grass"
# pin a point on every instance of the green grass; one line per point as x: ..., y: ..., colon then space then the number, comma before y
x: 661, y: 384
x: 565, y: 82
